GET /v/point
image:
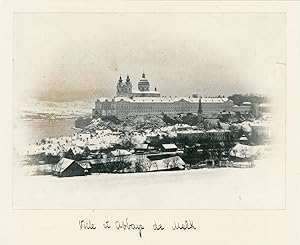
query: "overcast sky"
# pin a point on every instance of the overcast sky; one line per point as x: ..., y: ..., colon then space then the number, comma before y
x: 77, y: 56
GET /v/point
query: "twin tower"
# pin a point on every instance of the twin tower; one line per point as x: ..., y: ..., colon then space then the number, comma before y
x: 124, y: 88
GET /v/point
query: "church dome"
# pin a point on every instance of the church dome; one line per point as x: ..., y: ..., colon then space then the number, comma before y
x: 144, y: 84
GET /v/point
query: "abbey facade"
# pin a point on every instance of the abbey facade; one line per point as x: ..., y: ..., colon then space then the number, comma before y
x: 144, y: 101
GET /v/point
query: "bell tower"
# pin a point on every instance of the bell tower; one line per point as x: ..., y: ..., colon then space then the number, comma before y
x: 128, y: 86
x: 200, y: 119
x: 120, y: 87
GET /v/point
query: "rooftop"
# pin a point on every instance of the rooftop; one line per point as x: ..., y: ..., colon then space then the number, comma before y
x: 169, y: 146
x: 62, y: 165
x: 145, y: 92
x: 164, y: 99
x: 120, y: 152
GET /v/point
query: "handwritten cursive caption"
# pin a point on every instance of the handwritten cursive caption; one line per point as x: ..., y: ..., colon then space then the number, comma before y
x: 127, y: 225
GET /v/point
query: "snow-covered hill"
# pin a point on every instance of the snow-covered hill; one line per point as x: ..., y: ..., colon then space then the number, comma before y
x: 38, y: 110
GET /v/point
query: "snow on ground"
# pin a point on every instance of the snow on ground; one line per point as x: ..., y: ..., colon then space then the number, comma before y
x: 32, y: 107
x: 261, y: 187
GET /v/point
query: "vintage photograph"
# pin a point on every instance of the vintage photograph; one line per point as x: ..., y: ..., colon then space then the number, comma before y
x: 149, y: 111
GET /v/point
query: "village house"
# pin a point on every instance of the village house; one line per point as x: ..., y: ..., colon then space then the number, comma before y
x: 141, y: 148
x: 119, y: 153
x: 68, y: 168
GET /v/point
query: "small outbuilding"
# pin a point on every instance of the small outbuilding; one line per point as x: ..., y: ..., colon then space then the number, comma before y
x: 169, y: 147
x: 68, y: 168
x: 141, y: 148
x: 119, y: 153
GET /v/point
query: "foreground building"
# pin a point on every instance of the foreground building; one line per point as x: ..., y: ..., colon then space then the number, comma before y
x: 145, y: 101
x: 68, y: 168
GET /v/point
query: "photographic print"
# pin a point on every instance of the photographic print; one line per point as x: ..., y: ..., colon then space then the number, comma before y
x: 149, y: 110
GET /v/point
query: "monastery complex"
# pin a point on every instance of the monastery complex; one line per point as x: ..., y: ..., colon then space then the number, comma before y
x: 145, y: 101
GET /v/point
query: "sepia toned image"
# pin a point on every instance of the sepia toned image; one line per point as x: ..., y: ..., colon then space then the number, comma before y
x: 149, y: 111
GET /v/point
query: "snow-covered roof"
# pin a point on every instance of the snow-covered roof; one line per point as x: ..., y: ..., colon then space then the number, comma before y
x: 218, y: 131
x: 191, y: 132
x: 247, y: 103
x: 212, y: 131
x: 120, y: 152
x: 94, y: 147
x: 145, y: 92
x: 76, y: 150
x: 169, y: 146
x: 142, y: 146
x: 243, y: 138
x: 165, y: 99
x: 182, y: 126
x: 152, y: 134
x: 102, y: 99
x: 62, y: 165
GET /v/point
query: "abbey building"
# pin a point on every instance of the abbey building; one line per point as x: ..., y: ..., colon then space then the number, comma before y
x: 145, y: 101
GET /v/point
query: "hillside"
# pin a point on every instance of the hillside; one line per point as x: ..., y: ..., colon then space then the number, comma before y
x: 136, y: 123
